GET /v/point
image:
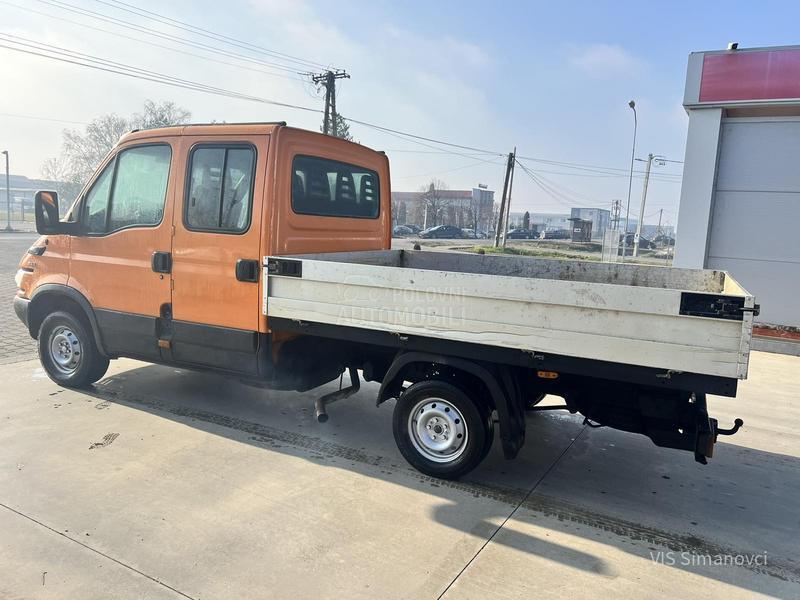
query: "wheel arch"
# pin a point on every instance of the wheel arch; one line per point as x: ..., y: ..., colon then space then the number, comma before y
x: 51, y: 297
x: 497, y: 379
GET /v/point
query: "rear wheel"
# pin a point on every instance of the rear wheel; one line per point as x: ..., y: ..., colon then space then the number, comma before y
x: 68, y: 352
x: 440, y: 430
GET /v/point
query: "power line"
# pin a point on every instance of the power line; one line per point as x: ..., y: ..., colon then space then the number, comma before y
x: 173, y: 38
x: 295, y: 77
x: 461, y: 168
x: 93, y: 62
x: 129, y: 8
x: 136, y: 73
x: 419, y: 137
x: 35, y: 118
x: 86, y: 60
x: 401, y: 136
x: 637, y: 175
x: 590, y: 168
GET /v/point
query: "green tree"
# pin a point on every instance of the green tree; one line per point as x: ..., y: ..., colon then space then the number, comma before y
x: 342, y: 128
x: 526, y: 220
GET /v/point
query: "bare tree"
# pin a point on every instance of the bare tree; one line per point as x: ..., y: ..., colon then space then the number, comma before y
x: 476, y: 213
x: 56, y: 171
x: 433, y: 202
x: 82, y: 152
x: 162, y: 114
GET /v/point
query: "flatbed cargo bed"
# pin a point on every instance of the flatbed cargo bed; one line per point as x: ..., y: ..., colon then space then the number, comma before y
x: 673, y: 320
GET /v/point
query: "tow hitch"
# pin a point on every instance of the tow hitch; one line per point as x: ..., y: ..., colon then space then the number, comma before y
x: 707, y: 431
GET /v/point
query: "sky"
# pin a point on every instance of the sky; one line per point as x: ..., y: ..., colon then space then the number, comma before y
x: 552, y: 79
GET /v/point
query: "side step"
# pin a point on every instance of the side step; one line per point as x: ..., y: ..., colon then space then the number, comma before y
x: 321, y: 402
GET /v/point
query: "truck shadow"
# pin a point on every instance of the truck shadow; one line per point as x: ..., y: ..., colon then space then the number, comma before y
x: 604, y: 486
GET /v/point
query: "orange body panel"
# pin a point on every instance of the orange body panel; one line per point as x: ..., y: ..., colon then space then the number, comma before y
x: 113, y: 271
x: 292, y: 233
x: 205, y: 287
x: 52, y: 267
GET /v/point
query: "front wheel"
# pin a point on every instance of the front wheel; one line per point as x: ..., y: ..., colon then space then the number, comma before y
x: 440, y: 431
x: 68, y: 352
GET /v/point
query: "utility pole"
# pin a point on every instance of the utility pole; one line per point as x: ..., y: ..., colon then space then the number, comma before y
x: 502, y: 213
x: 508, y: 201
x: 8, y: 195
x: 658, y: 229
x: 641, y: 210
x: 328, y: 80
x: 616, y: 207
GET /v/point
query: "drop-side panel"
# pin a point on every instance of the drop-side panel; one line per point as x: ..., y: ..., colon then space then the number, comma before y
x: 625, y: 324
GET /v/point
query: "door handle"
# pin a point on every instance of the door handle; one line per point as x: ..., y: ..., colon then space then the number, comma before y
x: 247, y: 270
x: 161, y: 262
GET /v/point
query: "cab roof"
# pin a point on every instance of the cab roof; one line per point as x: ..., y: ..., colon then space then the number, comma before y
x: 204, y: 129
x: 255, y: 128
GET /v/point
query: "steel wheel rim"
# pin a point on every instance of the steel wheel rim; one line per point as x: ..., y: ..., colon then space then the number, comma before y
x: 65, y: 350
x: 437, y: 430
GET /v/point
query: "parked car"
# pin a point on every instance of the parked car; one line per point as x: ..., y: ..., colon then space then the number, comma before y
x: 401, y: 230
x: 664, y: 240
x: 415, y: 229
x: 554, y: 234
x: 442, y: 232
x: 644, y: 243
x: 474, y: 235
x: 521, y: 234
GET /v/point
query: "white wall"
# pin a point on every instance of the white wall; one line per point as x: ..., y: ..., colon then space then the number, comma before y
x: 697, y: 190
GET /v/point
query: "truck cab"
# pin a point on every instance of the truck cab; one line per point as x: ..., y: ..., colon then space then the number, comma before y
x: 159, y: 258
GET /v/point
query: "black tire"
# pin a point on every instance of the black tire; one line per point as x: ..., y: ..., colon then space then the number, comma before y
x: 71, y: 334
x: 471, y: 420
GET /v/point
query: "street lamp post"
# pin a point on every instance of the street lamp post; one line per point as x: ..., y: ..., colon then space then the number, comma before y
x: 8, y: 195
x: 632, y: 105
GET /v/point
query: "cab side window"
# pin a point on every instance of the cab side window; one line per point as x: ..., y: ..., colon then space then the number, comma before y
x: 220, y: 194
x: 96, y: 205
x: 130, y: 191
x: 329, y: 188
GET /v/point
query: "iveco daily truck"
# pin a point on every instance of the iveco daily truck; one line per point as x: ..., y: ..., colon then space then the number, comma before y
x: 264, y: 251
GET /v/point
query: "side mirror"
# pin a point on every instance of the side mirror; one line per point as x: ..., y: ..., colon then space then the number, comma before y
x: 46, y: 210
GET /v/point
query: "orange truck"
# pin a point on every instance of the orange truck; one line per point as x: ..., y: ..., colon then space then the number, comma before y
x: 264, y: 251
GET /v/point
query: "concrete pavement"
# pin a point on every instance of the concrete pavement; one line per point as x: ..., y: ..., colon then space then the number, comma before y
x: 15, y: 343
x: 164, y: 483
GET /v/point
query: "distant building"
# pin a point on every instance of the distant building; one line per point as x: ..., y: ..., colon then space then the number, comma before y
x: 600, y: 218
x: 581, y: 230
x: 23, y: 190
x: 468, y: 209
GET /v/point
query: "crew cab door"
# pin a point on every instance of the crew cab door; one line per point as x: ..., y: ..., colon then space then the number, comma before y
x: 215, y: 251
x: 126, y: 222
